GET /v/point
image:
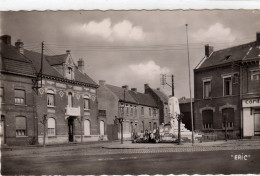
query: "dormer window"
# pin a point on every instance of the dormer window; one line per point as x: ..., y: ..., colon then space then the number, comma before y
x: 69, y: 73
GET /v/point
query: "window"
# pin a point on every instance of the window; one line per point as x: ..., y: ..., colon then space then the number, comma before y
x: 51, y: 127
x: 50, y: 98
x: 20, y: 126
x: 228, y: 117
x: 227, y: 86
x: 142, y: 110
x: 154, y: 126
x: 131, y: 110
x: 70, y: 99
x: 154, y: 112
x: 86, y: 103
x: 19, y: 96
x: 1, y: 94
x: 150, y: 112
x: 150, y: 126
x: 207, y: 119
x: 207, y: 89
x: 255, y: 75
x: 69, y: 71
x: 86, y: 127
x: 127, y: 110
x: 135, y: 111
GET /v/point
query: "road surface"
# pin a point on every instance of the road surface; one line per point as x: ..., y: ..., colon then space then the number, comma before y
x: 207, y: 162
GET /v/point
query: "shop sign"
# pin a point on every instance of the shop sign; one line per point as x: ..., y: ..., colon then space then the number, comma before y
x: 251, y: 102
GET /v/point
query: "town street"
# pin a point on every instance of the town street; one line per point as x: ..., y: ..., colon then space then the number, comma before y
x: 214, y: 162
x: 160, y: 159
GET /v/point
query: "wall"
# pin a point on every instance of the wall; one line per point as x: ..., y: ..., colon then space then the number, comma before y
x: 248, y: 122
x: 10, y: 111
x: 57, y: 112
x: 109, y: 102
x: 185, y: 109
x: 217, y: 101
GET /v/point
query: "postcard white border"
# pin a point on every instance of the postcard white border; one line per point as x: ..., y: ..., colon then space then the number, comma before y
x: 40, y: 5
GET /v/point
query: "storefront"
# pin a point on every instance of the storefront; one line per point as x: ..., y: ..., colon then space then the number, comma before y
x: 251, y: 117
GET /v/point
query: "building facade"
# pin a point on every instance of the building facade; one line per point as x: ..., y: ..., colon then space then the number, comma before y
x: 185, y: 110
x: 62, y: 101
x: 139, y: 111
x: 224, y: 82
x: 18, y: 110
x: 162, y: 102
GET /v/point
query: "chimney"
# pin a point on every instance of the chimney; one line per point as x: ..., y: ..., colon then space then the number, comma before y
x: 68, y: 51
x: 208, y: 50
x: 102, y: 82
x: 125, y: 87
x: 81, y: 65
x: 6, y: 39
x: 19, y: 46
x: 158, y: 88
x: 258, y: 38
x: 134, y: 89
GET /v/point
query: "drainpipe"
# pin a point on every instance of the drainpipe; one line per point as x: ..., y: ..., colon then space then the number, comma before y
x: 241, y: 99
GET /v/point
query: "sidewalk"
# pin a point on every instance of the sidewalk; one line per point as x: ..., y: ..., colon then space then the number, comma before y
x: 230, y: 143
x: 115, y: 147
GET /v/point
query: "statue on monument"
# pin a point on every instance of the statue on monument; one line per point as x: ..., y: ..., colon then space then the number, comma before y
x: 174, y: 111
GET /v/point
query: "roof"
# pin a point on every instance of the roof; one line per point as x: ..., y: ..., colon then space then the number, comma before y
x: 237, y: 53
x: 143, y: 99
x: 119, y: 92
x: 50, y: 71
x: 36, y: 60
x: 15, y: 62
x: 164, y: 98
x: 132, y: 96
x: 56, y: 59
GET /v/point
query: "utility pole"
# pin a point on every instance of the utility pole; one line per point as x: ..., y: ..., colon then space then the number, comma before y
x: 191, y: 108
x: 172, y: 85
x: 42, y: 62
x: 164, y: 82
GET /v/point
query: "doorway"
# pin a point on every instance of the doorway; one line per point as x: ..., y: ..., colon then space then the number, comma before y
x: 2, y: 130
x: 71, y: 126
x: 102, y: 128
x: 257, y: 124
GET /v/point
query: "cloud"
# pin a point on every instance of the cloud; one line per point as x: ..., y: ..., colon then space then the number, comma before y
x: 216, y: 32
x: 149, y: 70
x: 124, y: 30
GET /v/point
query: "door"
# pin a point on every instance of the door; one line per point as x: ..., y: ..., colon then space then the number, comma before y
x: 257, y: 124
x: 102, y: 127
x: 70, y: 125
x: 2, y: 131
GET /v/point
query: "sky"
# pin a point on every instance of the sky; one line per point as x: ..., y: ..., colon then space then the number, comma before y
x: 133, y: 47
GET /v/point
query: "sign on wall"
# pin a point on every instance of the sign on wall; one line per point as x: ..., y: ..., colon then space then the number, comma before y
x: 251, y: 102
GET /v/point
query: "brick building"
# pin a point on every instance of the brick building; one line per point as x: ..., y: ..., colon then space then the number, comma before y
x: 18, y: 110
x: 66, y: 96
x: 185, y: 110
x: 140, y: 111
x: 162, y: 102
x: 227, y: 91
